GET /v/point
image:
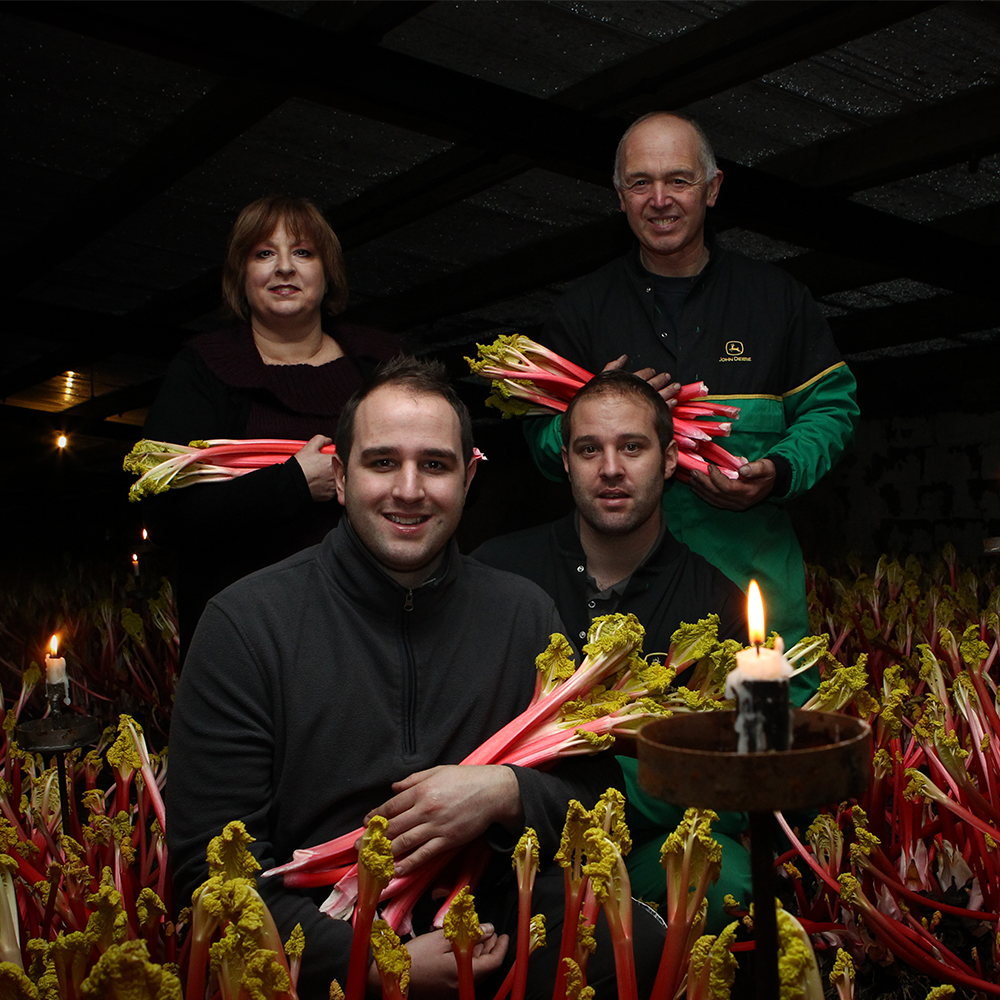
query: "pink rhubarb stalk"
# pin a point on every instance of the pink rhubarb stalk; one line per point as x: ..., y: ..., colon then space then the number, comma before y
x: 525, y: 862
x: 462, y: 929
x: 375, y: 870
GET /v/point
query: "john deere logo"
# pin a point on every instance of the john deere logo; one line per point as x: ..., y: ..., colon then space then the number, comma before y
x: 734, y: 348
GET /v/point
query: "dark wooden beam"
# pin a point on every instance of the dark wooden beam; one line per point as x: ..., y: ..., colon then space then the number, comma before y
x: 739, y: 46
x: 948, y: 316
x: 965, y: 127
x: 545, y: 262
x: 826, y: 273
x: 824, y: 222
x: 962, y: 380
x: 116, y: 403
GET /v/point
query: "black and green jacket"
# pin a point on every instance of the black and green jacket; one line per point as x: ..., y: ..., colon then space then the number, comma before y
x: 755, y: 336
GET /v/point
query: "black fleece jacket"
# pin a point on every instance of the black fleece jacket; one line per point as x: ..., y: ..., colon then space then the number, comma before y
x: 308, y: 690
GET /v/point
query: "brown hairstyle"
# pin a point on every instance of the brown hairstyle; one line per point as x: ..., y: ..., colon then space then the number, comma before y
x: 620, y: 384
x: 705, y: 154
x: 422, y: 377
x: 303, y: 220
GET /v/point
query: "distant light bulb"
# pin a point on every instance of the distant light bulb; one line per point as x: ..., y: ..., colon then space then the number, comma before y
x: 62, y: 440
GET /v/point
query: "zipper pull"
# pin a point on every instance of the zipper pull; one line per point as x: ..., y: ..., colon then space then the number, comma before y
x: 408, y: 603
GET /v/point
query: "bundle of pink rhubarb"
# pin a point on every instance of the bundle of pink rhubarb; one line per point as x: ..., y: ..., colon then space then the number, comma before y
x: 574, y: 710
x: 161, y: 466
x: 530, y: 380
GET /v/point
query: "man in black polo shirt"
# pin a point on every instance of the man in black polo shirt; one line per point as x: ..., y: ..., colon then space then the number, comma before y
x: 615, y: 553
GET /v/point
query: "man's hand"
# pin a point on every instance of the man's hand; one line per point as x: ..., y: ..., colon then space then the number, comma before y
x: 660, y: 381
x: 448, y: 806
x: 434, y: 971
x: 318, y: 468
x: 754, y: 485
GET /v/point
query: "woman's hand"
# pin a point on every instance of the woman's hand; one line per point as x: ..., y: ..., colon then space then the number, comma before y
x: 318, y: 468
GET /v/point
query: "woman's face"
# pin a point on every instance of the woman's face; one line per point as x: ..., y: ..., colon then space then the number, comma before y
x: 284, y: 278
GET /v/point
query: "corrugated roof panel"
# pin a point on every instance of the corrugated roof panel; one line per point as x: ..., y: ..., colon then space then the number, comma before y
x: 934, y: 346
x: 309, y: 150
x: 526, y: 208
x: 938, y: 193
x: 883, y: 293
x: 758, y: 246
x: 80, y: 106
x: 541, y: 48
x: 923, y: 59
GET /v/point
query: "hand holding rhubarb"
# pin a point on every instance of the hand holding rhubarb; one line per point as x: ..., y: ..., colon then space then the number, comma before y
x: 317, y: 467
x: 445, y: 807
x: 163, y: 466
x: 530, y: 380
x: 751, y: 485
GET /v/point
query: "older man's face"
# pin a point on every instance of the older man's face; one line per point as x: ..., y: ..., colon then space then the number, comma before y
x: 665, y: 194
x: 405, y: 482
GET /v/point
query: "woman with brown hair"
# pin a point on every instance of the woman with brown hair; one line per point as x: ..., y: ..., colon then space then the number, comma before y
x: 283, y: 370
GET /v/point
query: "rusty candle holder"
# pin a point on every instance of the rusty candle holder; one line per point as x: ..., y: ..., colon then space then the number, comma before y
x: 691, y: 760
x: 58, y: 733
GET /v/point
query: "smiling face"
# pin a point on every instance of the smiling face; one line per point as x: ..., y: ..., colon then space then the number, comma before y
x: 284, y: 279
x: 615, y: 464
x: 405, y: 482
x: 665, y: 195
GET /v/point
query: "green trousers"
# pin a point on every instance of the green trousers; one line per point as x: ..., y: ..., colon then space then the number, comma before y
x: 651, y: 821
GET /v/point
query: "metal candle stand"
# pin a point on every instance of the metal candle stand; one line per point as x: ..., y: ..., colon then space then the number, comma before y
x: 58, y: 733
x: 692, y: 760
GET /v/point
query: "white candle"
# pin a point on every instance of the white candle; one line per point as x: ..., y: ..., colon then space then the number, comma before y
x: 759, y: 684
x: 760, y: 664
x: 55, y: 666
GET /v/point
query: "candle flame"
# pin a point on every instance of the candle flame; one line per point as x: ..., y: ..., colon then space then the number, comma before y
x: 755, y: 614
x: 135, y: 559
x: 54, y: 645
x: 145, y: 534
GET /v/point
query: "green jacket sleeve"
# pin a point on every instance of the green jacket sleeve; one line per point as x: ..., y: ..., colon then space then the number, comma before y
x: 544, y: 439
x: 820, y: 417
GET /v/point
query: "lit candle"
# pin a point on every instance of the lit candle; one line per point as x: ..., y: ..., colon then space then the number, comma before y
x: 135, y: 565
x: 759, y: 683
x: 56, y: 682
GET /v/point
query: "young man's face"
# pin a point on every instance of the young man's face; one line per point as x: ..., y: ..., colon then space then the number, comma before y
x: 405, y: 482
x: 615, y: 464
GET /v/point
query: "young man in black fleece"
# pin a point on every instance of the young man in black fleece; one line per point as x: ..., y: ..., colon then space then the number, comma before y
x: 353, y: 677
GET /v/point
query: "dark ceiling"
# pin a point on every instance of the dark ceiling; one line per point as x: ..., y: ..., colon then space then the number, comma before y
x: 462, y: 152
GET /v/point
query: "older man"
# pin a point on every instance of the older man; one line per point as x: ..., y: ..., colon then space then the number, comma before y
x: 615, y: 552
x: 679, y: 303
x: 352, y: 679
